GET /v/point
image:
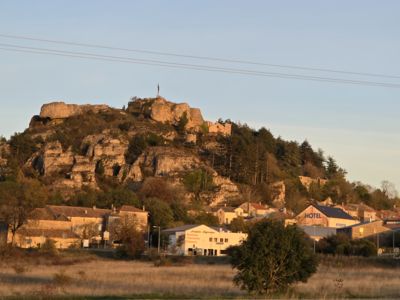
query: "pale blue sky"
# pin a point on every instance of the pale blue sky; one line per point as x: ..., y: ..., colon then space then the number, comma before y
x: 358, y: 125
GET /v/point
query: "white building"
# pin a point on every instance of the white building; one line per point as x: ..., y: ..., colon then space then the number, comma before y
x: 201, y: 240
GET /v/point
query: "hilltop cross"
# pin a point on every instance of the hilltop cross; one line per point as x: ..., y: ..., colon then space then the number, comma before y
x: 158, y: 90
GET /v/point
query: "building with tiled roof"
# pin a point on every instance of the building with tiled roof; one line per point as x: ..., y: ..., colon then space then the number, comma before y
x: 254, y: 209
x: 65, y: 224
x: 201, y: 240
x: 361, y: 211
x: 36, y: 237
x: 226, y: 214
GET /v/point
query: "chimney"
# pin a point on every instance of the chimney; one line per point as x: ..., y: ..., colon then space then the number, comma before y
x: 144, y: 208
x: 225, y: 205
x: 94, y: 207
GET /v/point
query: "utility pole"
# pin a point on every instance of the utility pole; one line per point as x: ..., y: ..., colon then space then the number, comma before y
x: 393, y: 241
x: 314, y: 238
x: 159, y: 238
x: 148, y: 238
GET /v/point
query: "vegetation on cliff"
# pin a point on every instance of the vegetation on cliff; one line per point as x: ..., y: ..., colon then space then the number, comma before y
x: 129, y: 156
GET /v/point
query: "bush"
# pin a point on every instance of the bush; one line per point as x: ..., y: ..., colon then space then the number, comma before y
x: 20, y: 269
x: 272, y: 258
x: 49, y: 247
x: 61, y: 278
x: 198, y: 181
x: 341, y: 244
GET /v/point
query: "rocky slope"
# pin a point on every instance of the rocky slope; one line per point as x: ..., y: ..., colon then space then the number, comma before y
x: 78, y: 143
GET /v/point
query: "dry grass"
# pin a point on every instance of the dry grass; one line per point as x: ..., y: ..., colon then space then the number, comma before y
x: 106, y: 277
x: 351, y: 282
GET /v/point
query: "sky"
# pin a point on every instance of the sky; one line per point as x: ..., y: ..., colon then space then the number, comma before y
x: 356, y: 124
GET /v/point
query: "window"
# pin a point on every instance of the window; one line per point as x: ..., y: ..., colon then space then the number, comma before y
x: 210, y: 239
x: 221, y: 240
x: 226, y: 240
x: 215, y: 240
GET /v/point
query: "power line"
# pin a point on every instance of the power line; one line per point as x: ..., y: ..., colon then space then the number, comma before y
x: 86, y: 55
x: 209, y: 58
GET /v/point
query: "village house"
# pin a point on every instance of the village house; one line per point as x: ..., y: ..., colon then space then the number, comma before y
x: 363, y: 230
x: 386, y: 214
x: 255, y: 209
x: 71, y: 226
x: 226, y: 214
x: 201, y: 240
x: 325, y: 216
x: 361, y: 212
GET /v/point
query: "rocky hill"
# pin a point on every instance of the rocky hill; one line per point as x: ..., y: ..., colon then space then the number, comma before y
x: 75, y: 144
x: 72, y: 148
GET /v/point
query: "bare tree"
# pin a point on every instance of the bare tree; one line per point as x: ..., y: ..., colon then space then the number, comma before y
x: 389, y: 189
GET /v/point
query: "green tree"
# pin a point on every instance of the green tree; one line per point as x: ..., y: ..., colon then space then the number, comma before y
x: 205, y: 219
x: 18, y: 200
x: 198, y: 181
x: 22, y: 147
x: 160, y: 212
x: 136, y: 147
x: 238, y: 225
x: 333, y: 170
x: 341, y: 244
x: 126, y: 231
x: 272, y: 258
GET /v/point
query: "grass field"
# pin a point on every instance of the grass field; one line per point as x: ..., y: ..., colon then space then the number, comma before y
x: 94, y: 277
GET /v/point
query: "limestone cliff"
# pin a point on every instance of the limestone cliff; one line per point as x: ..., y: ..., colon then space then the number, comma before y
x: 80, y: 144
x: 161, y: 110
x: 61, y: 110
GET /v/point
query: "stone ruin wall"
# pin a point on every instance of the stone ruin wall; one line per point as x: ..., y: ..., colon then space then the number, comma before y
x: 61, y: 110
x: 219, y: 128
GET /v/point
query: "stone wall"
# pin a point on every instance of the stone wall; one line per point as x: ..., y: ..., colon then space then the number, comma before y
x: 219, y: 128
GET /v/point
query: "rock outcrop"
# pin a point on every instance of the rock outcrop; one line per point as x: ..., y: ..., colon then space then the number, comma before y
x: 219, y: 128
x: 225, y: 190
x: 162, y: 161
x: 307, y: 181
x: 163, y: 111
x: 61, y: 110
x: 104, y: 154
x: 278, y: 194
x: 107, y: 150
x: 54, y: 160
